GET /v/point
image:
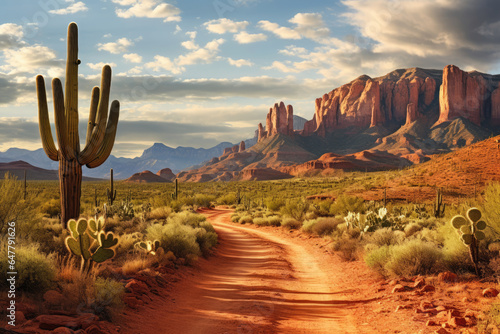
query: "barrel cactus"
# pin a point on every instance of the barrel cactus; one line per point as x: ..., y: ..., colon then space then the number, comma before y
x: 101, y: 130
x: 470, y: 231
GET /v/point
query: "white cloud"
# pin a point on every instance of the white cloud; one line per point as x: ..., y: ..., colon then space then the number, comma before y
x: 191, y: 34
x: 245, y: 38
x: 206, y: 55
x: 190, y: 45
x: 149, y: 9
x: 222, y: 26
x: 32, y: 59
x: 10, y: 35
x: 164, y: 63
x: 132, y: 57
x: 71, y: 9
x: 281, y: 32
x: 239, y: 62
x: 177, y: 29
x: 100, y: 65
x: 120, y: 46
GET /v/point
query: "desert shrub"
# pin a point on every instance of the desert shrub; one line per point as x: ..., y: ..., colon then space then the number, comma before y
x: 207, y: 226
x: 275, y: 204
x: 206, y: 240
x: 235, y: 218
x: 180, y: 239
x: 137, y: 263
x: 377, y: 258
x: 322, y: 208
x: 274, y: 220
x: 291, y: 224
x: 411, y: 229
x: 308, y: 224
x: 36, y: 271
x: 160, y: 213
x: 295, y: 209
x: 325, y: 226
x: 492, y: 205
x: 386, y: 237
x: 202, y: 200
x: 414, y: 257
x: 246, y: 220
x: 345, y: 204
x: 310, y: 215
x: 261, y: 221
x: 347, y: 248
x: 227, y: 199
x: 186, y: 218
x: 108, y: 297
x: 51, y: 208
x: 11, y: 201
x: 127, y: 242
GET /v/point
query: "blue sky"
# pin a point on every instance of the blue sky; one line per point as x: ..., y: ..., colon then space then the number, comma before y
x: 213, y: 68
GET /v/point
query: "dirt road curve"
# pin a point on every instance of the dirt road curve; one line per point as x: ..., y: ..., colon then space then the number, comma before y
x: 257, y: 282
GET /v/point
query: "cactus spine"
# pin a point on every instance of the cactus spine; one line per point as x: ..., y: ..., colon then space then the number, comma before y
x: 439, y: 207
x: 101, y: 131
x: 111, y: 191
x: 470, y: 230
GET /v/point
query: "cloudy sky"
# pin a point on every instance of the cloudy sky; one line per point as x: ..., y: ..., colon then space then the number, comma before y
x: 198, y: 72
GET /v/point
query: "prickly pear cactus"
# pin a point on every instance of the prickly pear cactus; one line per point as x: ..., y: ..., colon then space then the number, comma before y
x: 84, y: 235
x: 470, y: 231
x: 150, y: 247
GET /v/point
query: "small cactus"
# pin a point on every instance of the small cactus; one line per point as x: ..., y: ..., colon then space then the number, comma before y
x: 175, y: 194
x: 84, y: 235
x: 439, y: 207
x: 470, y: 230
x: 150, y: 247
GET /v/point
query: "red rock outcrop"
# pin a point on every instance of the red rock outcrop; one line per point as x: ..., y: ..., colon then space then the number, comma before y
x: 411, y: 113
x: 262, y: 174
x: 495, y: 107
x: 370, y: 102
x: 145, y: 177
x: 466, y: 95
x: 241, y: 147
x: 278, y: 120
x: 167, y: 174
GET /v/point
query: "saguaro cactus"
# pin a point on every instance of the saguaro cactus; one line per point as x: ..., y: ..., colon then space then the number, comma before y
x: 470, y: 232
x: 101, y: 131
x: 175, y: 194
x: 111, y: 191
x: 439, y: 206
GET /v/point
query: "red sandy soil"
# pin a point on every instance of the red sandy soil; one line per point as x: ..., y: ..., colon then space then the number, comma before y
x: 270, y: 280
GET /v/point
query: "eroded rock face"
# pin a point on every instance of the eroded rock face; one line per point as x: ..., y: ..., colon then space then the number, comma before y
x: 278, y: 120
x: 411, y: 113
x: 242, y: 146
x: 166, y: 173
x: 460, y: 96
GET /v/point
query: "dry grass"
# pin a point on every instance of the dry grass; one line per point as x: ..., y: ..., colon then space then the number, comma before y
x: 134, y: 265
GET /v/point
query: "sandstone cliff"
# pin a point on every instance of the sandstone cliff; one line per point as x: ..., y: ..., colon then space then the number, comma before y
x: 278, y: 120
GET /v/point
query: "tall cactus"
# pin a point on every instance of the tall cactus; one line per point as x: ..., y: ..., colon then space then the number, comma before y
x: 111, y: 191
x: 101, y: 131
x: 439, y: 206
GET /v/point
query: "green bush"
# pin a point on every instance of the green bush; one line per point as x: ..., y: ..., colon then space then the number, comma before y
x: 261, y: 221
x: 204, y: 201
x: 205, y: 239
x: 275, y: 204
x: 326, y: 226
x: 345, y: 204
x: 246, y: 220
x: 108, y: 297
x: 235, y: 218
x: 186, y: 218
x: 36, y: 271
x: 378, y: 258
x: 227, y: 199
x: 322, y: 208
x: 386, y: 237
x: 295, y: 209
x: 180, y: 239
x: 414, y: 257
x: 291, y: 224
x: 51, y: 208
x: 347, y: 248
x: 274, y: 220
x: 308, y: 224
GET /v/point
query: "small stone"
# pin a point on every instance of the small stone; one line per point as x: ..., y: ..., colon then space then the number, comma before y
x: 133, y: 302
x: 137, y: 287
x: 419, y: 282
x: 470, y: 314
x: 398, y: 288
x: 431, y: 323
x: 400, y: 307
x: 426, y: 305
x: 94, y: 330
x: 447, y: 277
x: 441, y: 331
x: 457, y: 322
x: 51, y: 322
x: 490, y: 293
x: 440, y: 308
x: 393, y: 282
x: 428, y: 288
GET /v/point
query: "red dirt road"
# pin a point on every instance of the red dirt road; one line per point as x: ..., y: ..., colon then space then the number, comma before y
x: 257, y: 282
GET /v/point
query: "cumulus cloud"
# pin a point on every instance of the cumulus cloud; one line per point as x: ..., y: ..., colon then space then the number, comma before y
x: 149, y: 9
x: 281, y: 32
x: 100, y: 65
x: 245, y: 38
x: 222, y: 26
x: 32, y: 59
x: 239, y: 62
x: 197, y: 55
x: 71, y: 9
x: 120, y: 46
x: 10, y: 35
x: 132, y: 57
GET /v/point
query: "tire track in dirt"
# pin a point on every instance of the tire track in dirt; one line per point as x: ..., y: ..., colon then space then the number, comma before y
x: 257, y: 282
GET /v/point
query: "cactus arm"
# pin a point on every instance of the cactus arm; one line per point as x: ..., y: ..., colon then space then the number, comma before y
x: 109, y: 138
x: 60, y: 118
x: 71, y: 88
x: 43, y: 120
x: 94, y: 102
x: 98, y: 133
